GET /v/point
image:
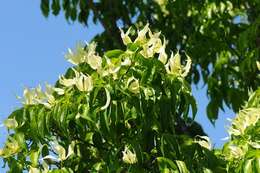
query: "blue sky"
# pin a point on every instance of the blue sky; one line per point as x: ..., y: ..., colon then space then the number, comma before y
x: 32, y: 52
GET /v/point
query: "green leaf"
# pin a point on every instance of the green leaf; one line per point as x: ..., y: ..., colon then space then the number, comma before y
x: 248, y: 166
x: 182, y: 166
x: 113, y: 53
x: 166, y: 164
x: 45, y: 7
x: 257, y: 164
x: 34, y: 156
x: 55, y: 7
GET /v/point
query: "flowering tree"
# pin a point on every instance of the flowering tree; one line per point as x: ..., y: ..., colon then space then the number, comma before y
x: 120, y: 112
x: 221, y: 36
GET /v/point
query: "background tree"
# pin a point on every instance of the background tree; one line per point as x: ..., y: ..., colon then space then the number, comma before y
x: 221, y: 36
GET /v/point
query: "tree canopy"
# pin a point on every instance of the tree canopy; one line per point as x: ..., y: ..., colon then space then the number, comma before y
x: 121, y: 113
x: 222, y: 37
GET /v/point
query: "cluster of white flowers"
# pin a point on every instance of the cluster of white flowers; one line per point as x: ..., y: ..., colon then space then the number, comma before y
x: 81, y: 81
x: 151, y: 45
x: 81, y: 55
x: 154, y: 45
x: 244, y: 119
x: 236, y: 152
x: 35, y: 96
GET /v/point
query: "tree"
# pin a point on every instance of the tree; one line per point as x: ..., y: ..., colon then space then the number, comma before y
x: 222, y: 37
x: 119, y: 113
x: 128, y: 109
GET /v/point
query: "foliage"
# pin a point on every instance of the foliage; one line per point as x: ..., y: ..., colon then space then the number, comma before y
x: 242, y: 151
x: 221, y: 36
x: 118, y: 113
x: 131, y: 109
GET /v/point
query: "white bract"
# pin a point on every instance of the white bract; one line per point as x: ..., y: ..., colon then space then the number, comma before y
x: 88, y: 55
x: 111, y: 69
x: 244, y: 119
x: 66, y: 82
x: 141, y: 37
x: 133, y: 85
x: 83, y: 82
x: 203, y: 141
x: 235, y: 151
x: 150, y: 42
x: 60, y: 150
x: 108, y: 100
x: 10, y: 123
x: 258, y: 65
x: 162, y: 54
x: 129, y: 157
x: 94, y: 61
x: 76, y: 57
x: 125, y: 36
x: 174, y: 65
x: 37, y: 96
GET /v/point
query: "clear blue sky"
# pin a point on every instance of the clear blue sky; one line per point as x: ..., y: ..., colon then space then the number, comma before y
x: 32, y: 52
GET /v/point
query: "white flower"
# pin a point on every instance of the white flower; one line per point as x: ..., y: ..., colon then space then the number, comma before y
x: 10, y: 123
x: 37, y: 96
x: 244, y: 119
x: 66, y: 82
x: 83, y: 82
x: 50, y: 159
x: 162, y: 54
x: 50, y: 90
x: 141, y: 38
x: 94, y: 61
x: 129, y: 157
x: 147, y: 51
x: 59, y: 91
x: 126, y: 62
x: 133, y: 85
x: 29, y: 96
x: 258, y: 65
x: 75, y: 57
x: 92, y: 58
x: 187, y: 67
x: 111, y: 69
x: 174, y: 65
x: 60, y: 150
x: 203, y: 141
x: 236, y: 151
x: 91, y: 49
x: 149, y: 94
x: 255, y: 144
x: 155, y: 42
x: 126, y: 39
x: 81, y: 55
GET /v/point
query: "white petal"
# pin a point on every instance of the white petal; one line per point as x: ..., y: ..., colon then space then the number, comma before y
x: 108, y: 100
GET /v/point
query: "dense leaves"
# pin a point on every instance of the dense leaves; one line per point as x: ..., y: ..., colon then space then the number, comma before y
x: 129, y: 110
x: 222, y: 37
x: 116, y: 113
